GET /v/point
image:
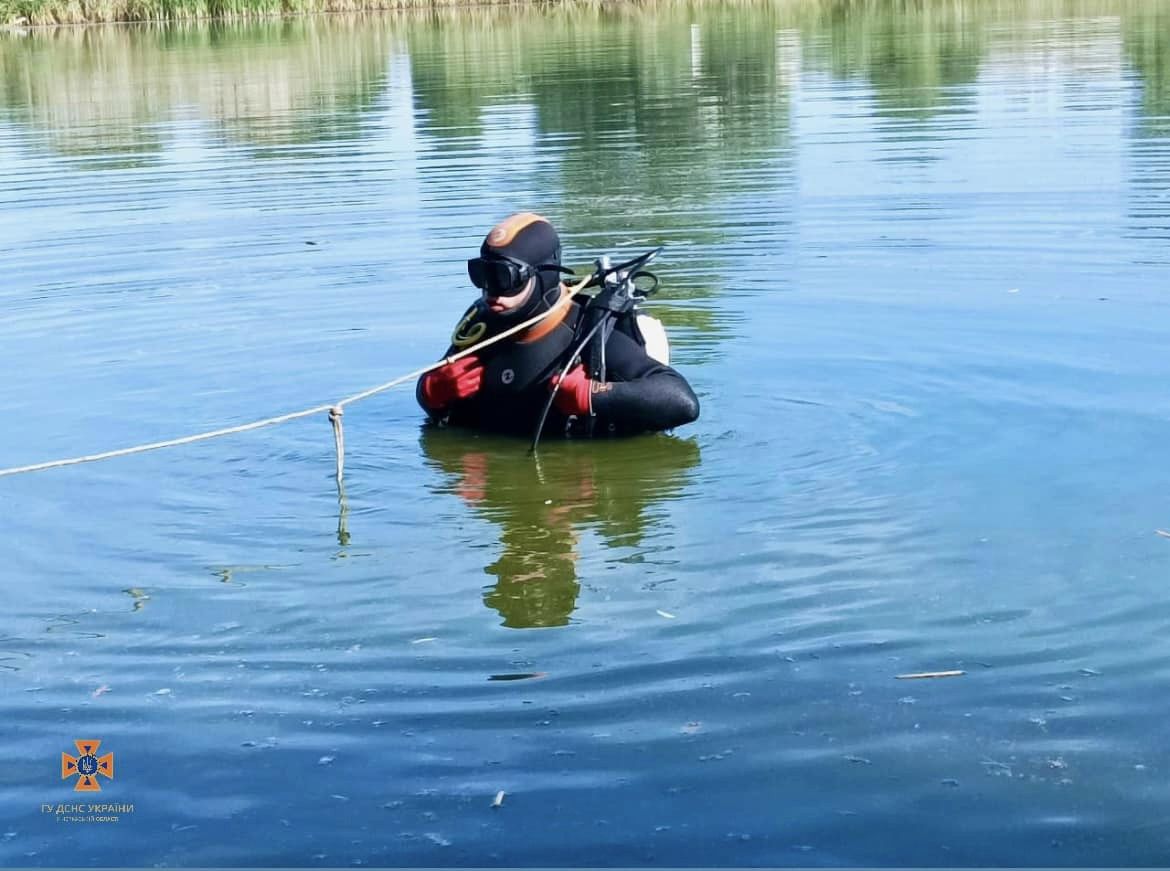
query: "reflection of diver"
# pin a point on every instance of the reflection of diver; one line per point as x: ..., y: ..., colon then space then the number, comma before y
x: 541, y: 506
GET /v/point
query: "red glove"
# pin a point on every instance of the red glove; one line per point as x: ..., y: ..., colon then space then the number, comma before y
x: 575, y: 395
x: 458, y: 380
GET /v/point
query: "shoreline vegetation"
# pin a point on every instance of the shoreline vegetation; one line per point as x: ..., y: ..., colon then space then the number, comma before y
x: 15, y: 14
x: 38, y: 13
x: 20, y: 14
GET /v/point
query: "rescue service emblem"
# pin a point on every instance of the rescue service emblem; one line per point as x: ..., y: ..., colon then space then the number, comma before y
x: 87, y: 766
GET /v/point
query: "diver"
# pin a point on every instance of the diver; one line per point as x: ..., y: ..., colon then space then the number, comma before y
x: 619, y: 389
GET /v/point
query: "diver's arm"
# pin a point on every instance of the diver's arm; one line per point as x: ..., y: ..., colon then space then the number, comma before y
x: 444, y: 389
x: 641, y: 393
x: 434, y: 412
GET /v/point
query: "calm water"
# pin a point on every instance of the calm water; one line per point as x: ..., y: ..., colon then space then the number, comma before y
x: 916, y: 268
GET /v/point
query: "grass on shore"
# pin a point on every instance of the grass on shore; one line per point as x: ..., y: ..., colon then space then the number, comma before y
x: 24, y: 13
x: 42, y: 12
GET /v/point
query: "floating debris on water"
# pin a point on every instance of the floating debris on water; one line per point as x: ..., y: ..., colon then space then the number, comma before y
x: 1162, y: 533
x: 713, y: 757
x: 499, y: 799
x: 998, y: 769
x: 139, y: 595
x: 1089, y: 672
x: 525, y: 675
x: 666, y: 614
x: 326, y: 760
x: 861, y: 760
x: 422, y: 640
x: 930, y: 674
x: 100, y: 691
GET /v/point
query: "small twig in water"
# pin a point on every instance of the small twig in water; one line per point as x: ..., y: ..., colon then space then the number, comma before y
x: 924, y: 674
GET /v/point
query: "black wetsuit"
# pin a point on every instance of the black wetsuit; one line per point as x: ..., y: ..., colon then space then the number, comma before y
x: 640, y: 395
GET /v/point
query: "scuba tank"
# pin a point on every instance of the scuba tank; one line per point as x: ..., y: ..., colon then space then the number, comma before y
x: 654, y: 335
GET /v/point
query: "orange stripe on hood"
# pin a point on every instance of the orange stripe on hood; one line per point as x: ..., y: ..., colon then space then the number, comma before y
x: 505, y: 231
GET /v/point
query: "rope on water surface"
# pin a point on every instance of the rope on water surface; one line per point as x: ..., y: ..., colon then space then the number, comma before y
x: 335, y: 409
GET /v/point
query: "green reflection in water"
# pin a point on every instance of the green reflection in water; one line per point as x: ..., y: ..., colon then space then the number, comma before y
x: 110, y: 92
x: 546, y: 508
x: 660, y: 103
x: 703, y: 79
x: 1147, y: 43
x: 914, y: 55
x: 653, y: 119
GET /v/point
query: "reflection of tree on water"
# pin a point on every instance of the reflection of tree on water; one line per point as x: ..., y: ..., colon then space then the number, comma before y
x: 648, y: 120
x: 108, y: 91
x: 543, y: 507
x: 1147, y: 45
x: 913, y: 53
x: 921, y: 60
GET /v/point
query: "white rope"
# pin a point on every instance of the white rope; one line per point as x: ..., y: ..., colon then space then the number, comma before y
x: 335, y: 409
x: 335, y: 414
